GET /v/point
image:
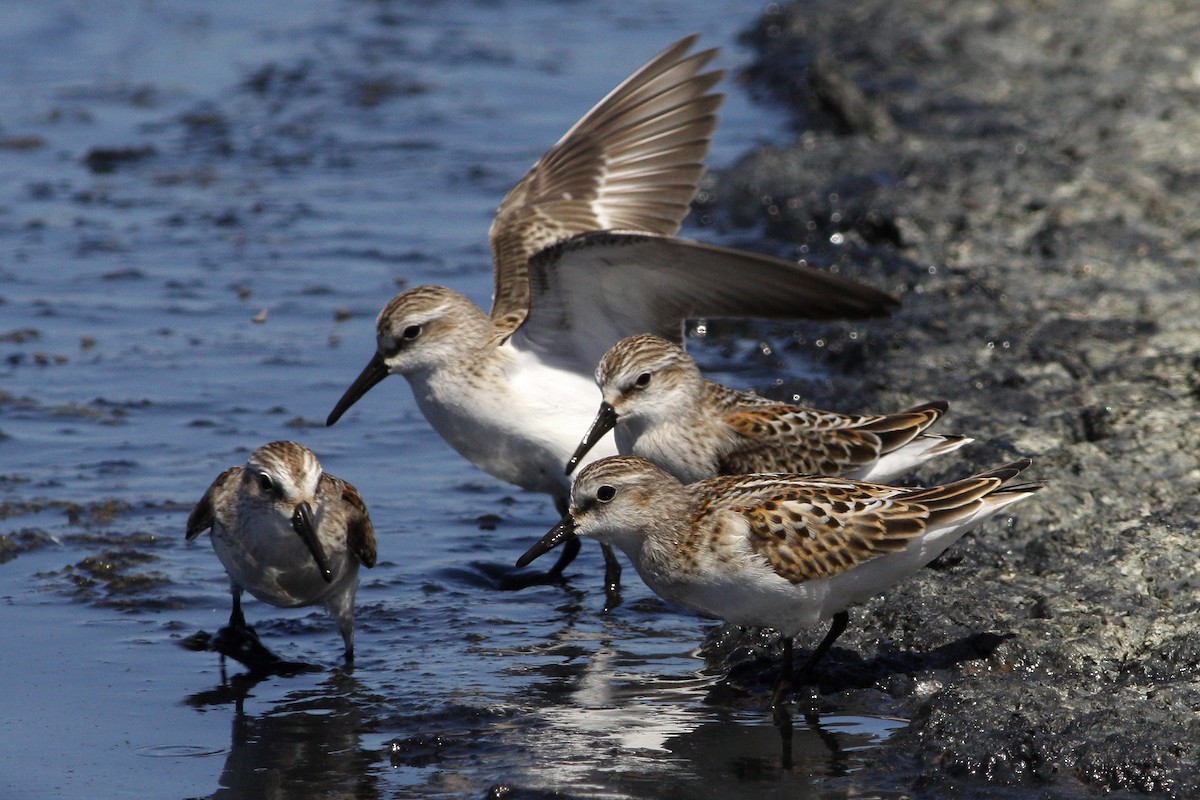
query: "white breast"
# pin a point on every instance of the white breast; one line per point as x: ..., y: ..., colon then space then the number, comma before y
x: 521, y: 425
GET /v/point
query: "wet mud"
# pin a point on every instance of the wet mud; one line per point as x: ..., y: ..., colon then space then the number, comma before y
x: 1022, y: 176
x: 196, y: 234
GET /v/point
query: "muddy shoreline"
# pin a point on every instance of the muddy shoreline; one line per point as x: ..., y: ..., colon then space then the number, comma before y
x: 206, y: 210
x: 1024, y: 177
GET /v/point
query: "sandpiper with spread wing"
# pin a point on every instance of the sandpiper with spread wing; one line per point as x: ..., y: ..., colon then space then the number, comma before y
x: 585, y: 253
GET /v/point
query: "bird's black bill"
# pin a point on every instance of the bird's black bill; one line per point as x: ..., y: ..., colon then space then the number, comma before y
x: 375, y: 371
x: 557, y: 535
x: 605, y: 421
x: 302, y: 524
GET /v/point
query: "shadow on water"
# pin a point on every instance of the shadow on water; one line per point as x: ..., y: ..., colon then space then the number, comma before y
x: 242, y: 644
x: 748, y: 659
x: 311, y: 743
x: 595, y: 706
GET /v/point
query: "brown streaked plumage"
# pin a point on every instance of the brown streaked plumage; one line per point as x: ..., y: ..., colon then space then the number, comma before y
x: 288, y: 533
x: 664, y: 410
x: 584, y: 253
x: 781, y: 551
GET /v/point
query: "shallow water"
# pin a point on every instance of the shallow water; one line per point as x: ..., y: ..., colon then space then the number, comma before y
x: 202, y: 208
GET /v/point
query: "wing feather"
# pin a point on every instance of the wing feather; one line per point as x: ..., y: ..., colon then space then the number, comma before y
x: 783, y: 438
x: 815, y: 528
x: 594, y: 289
x: 203, y: 515
x: 812, y: 538
x: 653, y: 129
x: 360, y: 533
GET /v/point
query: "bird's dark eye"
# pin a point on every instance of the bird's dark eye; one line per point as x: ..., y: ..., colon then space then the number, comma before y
x: 265, y: 483
x: 411, y: 332
x: 605, y: 493
x: 642, y: 381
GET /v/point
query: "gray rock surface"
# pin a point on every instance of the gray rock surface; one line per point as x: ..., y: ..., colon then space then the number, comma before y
x: 1026, y: 177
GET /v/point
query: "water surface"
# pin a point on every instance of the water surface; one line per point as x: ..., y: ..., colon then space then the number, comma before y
x: 202, y: 208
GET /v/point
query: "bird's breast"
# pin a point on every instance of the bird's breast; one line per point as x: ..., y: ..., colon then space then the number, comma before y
x: 519, y: 421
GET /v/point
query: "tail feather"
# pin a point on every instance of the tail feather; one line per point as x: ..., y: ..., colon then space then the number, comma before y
x: 892, y: 465
x: 975, y: 497
x: 903, y: 443
x: 896, y: 430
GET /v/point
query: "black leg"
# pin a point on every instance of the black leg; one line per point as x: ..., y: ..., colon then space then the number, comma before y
x: 783, y: 721
x: 569, y: 551
x: 840, y: 620
x: 612, y: 578
x: 236, y: 618
x: 783, y: 684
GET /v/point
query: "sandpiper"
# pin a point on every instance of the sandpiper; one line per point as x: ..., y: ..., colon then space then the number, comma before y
x: 774, y: 550
x: 288, y: 533
x: 584, y: 253
x: 664, y: 410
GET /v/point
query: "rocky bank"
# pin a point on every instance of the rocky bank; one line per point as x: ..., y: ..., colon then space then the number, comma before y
x: 1025, y: 175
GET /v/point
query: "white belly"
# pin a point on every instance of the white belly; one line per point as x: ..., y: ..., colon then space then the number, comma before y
x: 745, y: 600
x: 521, y: 430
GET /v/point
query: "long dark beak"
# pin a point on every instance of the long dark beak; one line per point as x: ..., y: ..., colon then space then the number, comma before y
x: 557, y: 535
x: 605, y: 421
x: 375, y: 371
x: 302, y: 524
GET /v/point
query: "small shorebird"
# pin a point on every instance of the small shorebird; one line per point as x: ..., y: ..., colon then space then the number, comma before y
x: 778, y: 551
x: 664, y: 410
x: 584, y: 253
x: 288, y: 533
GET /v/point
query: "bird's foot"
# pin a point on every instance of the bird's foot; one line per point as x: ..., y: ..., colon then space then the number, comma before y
x: 241, y: 643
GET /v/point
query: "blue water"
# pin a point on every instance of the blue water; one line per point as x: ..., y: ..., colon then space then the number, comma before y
x: 281, y: 168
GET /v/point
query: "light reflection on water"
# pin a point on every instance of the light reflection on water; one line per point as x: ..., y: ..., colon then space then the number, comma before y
x: 289, y: 162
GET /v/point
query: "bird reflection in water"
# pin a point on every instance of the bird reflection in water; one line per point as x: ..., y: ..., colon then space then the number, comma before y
x: 655, y: 726
x: 307, y: 745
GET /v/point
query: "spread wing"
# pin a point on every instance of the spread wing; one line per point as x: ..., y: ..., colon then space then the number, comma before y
x: 633, y: 162
x: 204, y: 513
x: 595, y: 289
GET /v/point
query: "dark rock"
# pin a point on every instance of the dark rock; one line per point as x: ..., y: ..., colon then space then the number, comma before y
x: 1017, y: 174
x: 103, y: 160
